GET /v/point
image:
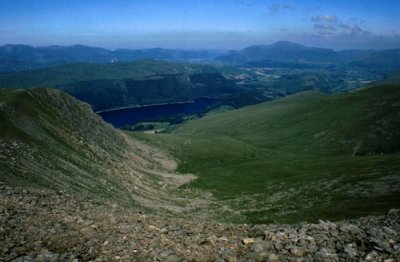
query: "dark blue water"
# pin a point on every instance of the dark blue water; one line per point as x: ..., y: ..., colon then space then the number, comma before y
x: 122, y: 117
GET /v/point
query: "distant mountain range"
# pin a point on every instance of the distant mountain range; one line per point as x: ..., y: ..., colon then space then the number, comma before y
x: 280, y: 54
x: 280, y: 51
x: 101, y: 78
x: 288, y: 54
x: 25, y: 57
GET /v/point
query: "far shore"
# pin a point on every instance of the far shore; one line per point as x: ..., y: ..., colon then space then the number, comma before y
x: 157, y: 104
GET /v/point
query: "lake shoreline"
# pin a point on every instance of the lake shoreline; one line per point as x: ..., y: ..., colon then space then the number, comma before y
x: 157, y: 104
x: 132, y: 114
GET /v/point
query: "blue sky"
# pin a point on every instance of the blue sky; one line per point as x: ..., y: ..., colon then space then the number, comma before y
x: 201, y: 24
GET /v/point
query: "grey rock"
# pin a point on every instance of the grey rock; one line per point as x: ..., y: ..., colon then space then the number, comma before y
x: 325, y: 253
x: 389, y: 231
x: 173, y: 258
x: 352, y: 229
x: 164, y: 230
x: 166, y: 253
x: 273, y: 257
x: 350, y: 251
x: 257, y: 247
x: 296, y: 251
x: 256, y: 256
x: 373, y: 256
x: 227, y: 255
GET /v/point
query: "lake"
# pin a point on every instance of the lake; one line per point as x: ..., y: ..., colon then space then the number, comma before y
x: 125, y: 116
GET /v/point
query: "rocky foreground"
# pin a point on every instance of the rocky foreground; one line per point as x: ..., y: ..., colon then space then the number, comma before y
x: 39, y: 225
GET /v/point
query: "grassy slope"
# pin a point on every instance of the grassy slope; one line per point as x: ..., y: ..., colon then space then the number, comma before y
x: 303, y: 157
x: 49, y: 139
x: 66, y: 74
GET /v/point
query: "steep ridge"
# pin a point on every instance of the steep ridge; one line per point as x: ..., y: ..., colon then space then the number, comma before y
x: 49, y: 139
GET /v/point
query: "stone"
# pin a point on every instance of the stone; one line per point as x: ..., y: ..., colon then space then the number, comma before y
x: 222, y: 239
x: 248, y: 240
x: 352, y: 229
x: 212, y: 239
x: 173, y: 258
x: 273, y: 257
x: 389, y: 231
x: 256, y: 256
x: 298, y: 252
x: 373, y: 256
x: 228, y: 255
x: 164, y: 230
x: 382, y: 246
x: 257, y: 247
x: 278, y: 246
x: 350, y: 251
x: 152, y: 228
x: 325, y: 253
x: 165, y: 253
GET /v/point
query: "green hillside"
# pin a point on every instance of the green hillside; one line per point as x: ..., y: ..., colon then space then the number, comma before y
x: 305, y: 157
x: 106, y: 86
x: 67, y: 74
x: 48, y: 139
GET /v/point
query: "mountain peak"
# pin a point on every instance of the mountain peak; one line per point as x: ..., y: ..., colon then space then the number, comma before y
x: 287, y: 44
x: 281, y: 51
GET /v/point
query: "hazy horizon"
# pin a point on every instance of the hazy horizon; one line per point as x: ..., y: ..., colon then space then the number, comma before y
x: 195, y: 25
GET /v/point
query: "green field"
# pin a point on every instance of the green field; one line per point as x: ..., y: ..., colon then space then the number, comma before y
x: 305, y: 157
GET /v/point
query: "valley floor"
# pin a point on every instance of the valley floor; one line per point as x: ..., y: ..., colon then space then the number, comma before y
x: 41, y: 225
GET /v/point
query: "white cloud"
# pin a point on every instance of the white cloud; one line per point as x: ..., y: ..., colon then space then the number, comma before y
x: 353, y: 30
x: 328, y: 26
x: 324, y: 27
x: 325, y: 18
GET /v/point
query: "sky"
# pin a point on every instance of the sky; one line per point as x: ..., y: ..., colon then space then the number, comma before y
x: 201, y: 24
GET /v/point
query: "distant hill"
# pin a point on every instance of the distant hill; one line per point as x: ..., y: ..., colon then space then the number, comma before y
x: 106, y: 86
x: 25, y: 57
x: 351, y: 54
x: 286, y: 68
x: 281, y: 52
x: 293, y: 55
x: 65, y: 74
x: 385, y: 60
